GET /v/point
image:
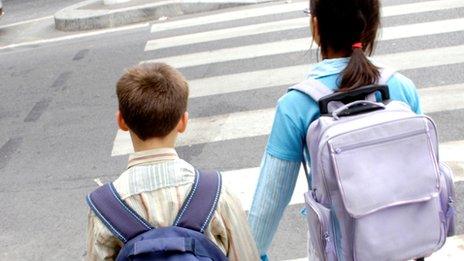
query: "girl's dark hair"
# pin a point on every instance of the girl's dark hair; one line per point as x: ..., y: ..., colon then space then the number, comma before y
x: 343, y: 23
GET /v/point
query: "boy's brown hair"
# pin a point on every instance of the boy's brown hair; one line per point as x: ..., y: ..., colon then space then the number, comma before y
x: 152, y: 99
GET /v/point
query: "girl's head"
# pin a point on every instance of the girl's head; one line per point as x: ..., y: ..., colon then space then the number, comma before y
x: 337, y: 25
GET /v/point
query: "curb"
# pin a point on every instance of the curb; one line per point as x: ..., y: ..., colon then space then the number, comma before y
x: 80, y: 17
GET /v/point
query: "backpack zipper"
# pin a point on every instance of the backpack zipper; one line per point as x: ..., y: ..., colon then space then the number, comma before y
x: 341, y: 149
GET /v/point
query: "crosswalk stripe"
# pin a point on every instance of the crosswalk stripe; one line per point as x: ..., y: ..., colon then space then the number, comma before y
x: 303, y: 44
x: 451, y: 251
x: 245, y: 190
x: 282, y: 25
x: 259, y: 122
x: 222, y: 34
x: 260, y: 10
x: 290, y: 75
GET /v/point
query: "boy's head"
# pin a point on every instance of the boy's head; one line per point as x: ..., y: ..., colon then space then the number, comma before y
x: 152, y: 99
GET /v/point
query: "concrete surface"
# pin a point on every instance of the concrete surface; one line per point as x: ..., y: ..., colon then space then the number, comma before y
x: 93, y: 14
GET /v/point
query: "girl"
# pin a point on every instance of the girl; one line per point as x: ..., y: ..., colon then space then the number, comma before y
x: 346, y: 31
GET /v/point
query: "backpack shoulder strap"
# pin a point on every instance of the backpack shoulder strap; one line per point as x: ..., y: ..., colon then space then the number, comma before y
x: 201, y: 202
x: 312, y: 87
x: 385, y: 75
x: 117, y: 216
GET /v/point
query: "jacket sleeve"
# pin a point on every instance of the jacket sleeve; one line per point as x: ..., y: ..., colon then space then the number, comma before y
x: 275, y: 188
x: 101, y: 244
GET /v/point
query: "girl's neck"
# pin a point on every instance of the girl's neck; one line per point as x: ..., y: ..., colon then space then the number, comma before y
x: 331, y: 54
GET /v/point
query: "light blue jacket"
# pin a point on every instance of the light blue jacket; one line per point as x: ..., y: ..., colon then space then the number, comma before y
x: 284, y: 152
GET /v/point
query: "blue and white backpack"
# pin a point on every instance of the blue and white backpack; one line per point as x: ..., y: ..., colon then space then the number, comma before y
x: 184, y: 240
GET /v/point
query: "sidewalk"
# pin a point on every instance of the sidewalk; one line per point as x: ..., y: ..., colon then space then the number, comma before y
x: 93, y: 14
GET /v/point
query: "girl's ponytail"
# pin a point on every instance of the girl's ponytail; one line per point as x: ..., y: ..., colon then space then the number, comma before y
x: 359, y: 71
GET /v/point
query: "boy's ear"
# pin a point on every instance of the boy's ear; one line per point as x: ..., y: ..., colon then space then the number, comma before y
x: 120, y: 120
x: 182, y: 125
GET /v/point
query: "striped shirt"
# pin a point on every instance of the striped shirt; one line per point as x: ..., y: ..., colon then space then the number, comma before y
x: 155, y: 185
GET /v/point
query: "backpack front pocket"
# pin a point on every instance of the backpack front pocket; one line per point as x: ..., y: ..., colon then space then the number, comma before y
x: 389, y: 185
x: 399, y: 233
x: 321, y: 240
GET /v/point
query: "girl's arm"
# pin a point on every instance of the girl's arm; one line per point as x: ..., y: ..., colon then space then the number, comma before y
x: 275, y: 188
x: 280, y: 166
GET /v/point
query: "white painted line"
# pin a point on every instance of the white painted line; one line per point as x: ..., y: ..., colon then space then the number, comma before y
x: 259, y: 123
x: 255, y: 29
x: 452, y: 151
x: 76, y: 36
x: 442, y: 98
x: 27, y: 21
x: 245, y: 190
x: 222, y: 34
x: 260, y: 10
x: 420, y: 7
x: 453, y: 250
x: 303, y: 44
x: 98, y: 181
x: 210, y: 129
x: 237, y: 53
x: 293, y: 74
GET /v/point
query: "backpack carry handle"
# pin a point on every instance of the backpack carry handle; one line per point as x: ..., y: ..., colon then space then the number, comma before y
x: 356, y: 107
x: 357, y: 94
x: 170, y: 244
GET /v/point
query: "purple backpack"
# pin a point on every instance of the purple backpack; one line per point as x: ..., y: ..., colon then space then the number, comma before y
x: 184, y: 240
x: 377, y: 188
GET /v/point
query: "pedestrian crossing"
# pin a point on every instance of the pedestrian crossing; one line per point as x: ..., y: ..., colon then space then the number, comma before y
x: 259, y: 122
x: 217, y: 63
x: 302, y: 44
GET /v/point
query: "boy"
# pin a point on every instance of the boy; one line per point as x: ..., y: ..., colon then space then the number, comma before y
x: 152, y: 107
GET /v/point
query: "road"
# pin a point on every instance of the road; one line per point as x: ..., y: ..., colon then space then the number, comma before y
x: 58, y: 102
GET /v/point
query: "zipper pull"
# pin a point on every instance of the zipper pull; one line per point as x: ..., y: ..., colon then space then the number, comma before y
x: 329, y: 248
x: 451, y: 209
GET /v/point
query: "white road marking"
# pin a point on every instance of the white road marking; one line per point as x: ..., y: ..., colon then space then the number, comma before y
x: 442, y: 98
x: 303, y: 44
x: 245, y: 190
x: 452, y: 151
x: 290, y: 75
x: 98, y: 181
x: 451, y: 251
x: 222, y: 34
x: 254, y: 123
x: 76, y: 36
x: 260, y: 10
x: 303, y: 22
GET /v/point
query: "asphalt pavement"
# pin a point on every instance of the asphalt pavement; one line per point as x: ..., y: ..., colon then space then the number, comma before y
x: 58, y: 102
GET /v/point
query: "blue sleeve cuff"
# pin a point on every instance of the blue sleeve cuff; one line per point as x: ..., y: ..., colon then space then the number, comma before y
x: 283, y: 155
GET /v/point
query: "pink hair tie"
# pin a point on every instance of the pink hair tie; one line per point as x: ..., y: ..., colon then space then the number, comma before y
x: 357, y: 45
